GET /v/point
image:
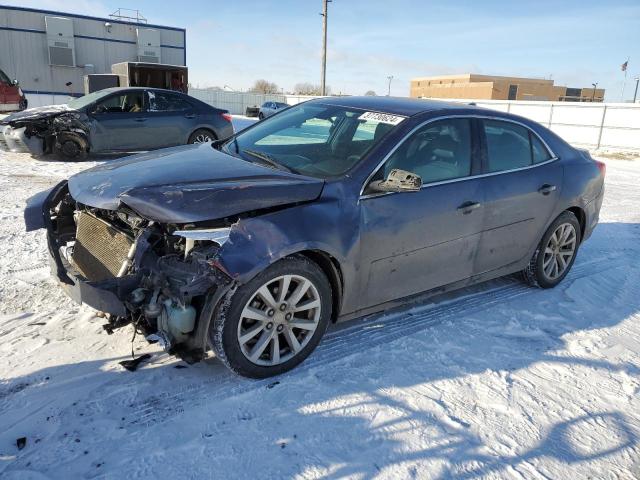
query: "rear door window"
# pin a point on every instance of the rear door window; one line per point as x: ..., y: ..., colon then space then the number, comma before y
x: 508, y: 145
x: 4, y: 78
x: 511, y: 146
x: 167, y: 102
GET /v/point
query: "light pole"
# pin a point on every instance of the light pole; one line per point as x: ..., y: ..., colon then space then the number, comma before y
x: 323, y: 76
x: 390, y: 77
x: 635, y: 94
x: 593, y: 93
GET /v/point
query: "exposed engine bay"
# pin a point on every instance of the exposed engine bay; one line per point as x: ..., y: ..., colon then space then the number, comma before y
x: 160, y: 274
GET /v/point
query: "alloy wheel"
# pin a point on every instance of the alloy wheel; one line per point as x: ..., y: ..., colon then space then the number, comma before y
x: 559, y: 251
x: 279, y: 320
x: 202, y: 138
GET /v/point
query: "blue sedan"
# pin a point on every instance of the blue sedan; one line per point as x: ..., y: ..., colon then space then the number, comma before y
x: 330, y: 210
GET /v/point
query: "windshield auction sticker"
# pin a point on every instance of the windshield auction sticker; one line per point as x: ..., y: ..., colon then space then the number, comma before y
x: 381, y: 117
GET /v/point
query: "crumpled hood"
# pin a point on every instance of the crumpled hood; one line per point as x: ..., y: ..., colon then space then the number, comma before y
x: 35, y: 113
x: 190, y: 183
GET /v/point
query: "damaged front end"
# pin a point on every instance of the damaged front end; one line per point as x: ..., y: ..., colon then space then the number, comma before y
x: 162, y: 278
x: 40, y: 131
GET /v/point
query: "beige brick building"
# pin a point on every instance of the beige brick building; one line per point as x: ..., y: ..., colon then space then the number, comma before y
x: 491, y: 87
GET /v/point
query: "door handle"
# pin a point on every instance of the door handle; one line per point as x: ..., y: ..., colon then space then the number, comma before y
x: 468, y: 207
x: 190, y: 115
x: 546, y: 189
x: 140, y: 119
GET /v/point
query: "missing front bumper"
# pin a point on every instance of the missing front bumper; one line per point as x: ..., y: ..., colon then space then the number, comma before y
x: 153, y: 281
x: 103, y: 296
x: 14, y: 140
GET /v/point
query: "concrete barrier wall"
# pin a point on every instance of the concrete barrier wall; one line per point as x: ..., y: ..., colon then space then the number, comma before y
x: 591, y: 125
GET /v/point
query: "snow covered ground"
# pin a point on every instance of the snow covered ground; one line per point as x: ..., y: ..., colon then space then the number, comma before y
x: 498, y: 381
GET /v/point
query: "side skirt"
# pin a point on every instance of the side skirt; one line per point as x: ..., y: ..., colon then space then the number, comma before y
x: 421, y: 297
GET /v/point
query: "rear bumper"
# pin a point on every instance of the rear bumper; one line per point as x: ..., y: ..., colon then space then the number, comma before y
x: 9, y: 107
x: 592, y: 215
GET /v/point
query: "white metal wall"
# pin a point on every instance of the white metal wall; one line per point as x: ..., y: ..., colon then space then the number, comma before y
x: 592, y: 125
x: 24, y: 55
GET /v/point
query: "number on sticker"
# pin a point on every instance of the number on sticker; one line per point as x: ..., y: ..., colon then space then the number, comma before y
x: 382, y: 117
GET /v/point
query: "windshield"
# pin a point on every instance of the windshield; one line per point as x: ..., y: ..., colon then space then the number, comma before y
x: 313, y: 139
x: 81, y: 102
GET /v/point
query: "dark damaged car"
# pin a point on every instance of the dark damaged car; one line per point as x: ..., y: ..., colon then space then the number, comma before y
x: 114, y: 120
x: 332, y: 209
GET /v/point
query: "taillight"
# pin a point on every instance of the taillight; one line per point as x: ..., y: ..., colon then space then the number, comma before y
x: 227, y: 117
x: 602, y: 167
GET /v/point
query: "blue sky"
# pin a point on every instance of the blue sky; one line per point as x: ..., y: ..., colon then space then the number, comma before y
x: 236, y: 42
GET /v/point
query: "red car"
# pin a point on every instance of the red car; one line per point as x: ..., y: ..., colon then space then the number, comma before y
x: 11, y: 96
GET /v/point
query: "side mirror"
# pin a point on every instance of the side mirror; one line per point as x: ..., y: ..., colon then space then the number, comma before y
x: 15, y: 82
x: 398, y: 181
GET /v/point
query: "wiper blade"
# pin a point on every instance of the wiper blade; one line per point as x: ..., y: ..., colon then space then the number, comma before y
x: 268, y: 159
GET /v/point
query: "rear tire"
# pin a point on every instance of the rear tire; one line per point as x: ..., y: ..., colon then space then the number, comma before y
x: 259, y: 337
x: 555, y: 253
x: 202, y: 135
x: 261, y: 116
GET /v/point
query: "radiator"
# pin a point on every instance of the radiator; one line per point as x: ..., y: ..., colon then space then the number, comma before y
x: 100, y: 249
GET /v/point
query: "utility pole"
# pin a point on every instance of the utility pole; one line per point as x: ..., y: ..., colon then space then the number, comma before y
x: 635, y: 94
x: 593, y: 93
x: 390, y: 77
x: 323, y: 78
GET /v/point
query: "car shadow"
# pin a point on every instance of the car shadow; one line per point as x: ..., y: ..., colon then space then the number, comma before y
x: 468, y: 385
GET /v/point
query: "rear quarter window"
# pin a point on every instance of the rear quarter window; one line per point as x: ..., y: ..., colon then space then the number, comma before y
x: 539, y: 151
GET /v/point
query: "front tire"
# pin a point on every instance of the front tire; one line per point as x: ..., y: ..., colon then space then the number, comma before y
x: 261, y: 116
x: 71, y: 147
x: 273, y: 322
x: 556, y: 252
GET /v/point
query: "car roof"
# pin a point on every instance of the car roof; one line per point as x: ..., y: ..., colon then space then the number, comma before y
x: 395, y: 105
x: 153, y: 89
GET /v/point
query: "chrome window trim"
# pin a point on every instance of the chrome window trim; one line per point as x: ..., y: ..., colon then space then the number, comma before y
x: 553, y: 158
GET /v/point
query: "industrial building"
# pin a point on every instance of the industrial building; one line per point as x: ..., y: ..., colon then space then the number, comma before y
x: 50, y: 53
x: 491, y: 87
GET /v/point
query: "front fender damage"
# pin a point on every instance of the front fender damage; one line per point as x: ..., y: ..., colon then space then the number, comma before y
x: 42, y: 132
x: 168, y: 280
x: 167, y: 286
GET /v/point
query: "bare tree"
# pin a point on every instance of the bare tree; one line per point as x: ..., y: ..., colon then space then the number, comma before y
x: 370, y: 93
x: 264, y: 86
x: 306, y: 88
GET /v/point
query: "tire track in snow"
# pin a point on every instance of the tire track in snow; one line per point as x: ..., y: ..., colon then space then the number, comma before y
x: 336, y: 345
